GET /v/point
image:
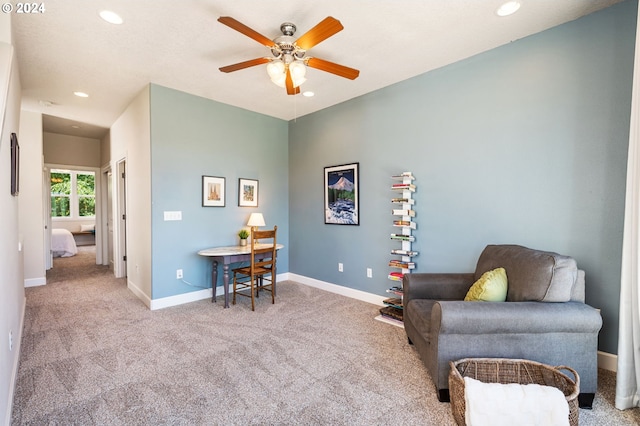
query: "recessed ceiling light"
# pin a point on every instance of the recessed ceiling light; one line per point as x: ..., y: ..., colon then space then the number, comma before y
x: 81, y: 94
x: 75, y: 126
x: 111, y: 17
x: 508, y: 8
x: 308, y: 94
x: 45, y: 103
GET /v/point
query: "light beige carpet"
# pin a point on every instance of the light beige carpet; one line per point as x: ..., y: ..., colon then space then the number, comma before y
x: 92, y: 353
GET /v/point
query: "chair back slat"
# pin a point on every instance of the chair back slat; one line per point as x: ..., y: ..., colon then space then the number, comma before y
x: 262, y: 256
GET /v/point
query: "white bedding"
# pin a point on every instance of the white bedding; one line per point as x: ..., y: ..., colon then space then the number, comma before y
x: 62, y: 243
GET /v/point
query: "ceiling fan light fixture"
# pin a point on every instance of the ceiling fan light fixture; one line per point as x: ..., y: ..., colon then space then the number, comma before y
x: 297, y: 69
x: 275, y: 69
x: 289, y: 65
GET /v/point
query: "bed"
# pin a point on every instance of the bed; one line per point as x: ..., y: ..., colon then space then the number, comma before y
x: 62, y: 243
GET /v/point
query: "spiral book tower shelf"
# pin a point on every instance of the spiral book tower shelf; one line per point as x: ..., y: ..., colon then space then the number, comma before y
x: 402, y: 261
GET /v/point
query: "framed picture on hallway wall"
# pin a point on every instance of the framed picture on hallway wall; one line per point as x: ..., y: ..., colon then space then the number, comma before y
x: 15, y: 165
x: 213, y: 191
x: 341, y: 195
x: 247, y: 193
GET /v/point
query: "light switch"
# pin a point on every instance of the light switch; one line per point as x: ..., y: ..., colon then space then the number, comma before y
x: 175, y: 215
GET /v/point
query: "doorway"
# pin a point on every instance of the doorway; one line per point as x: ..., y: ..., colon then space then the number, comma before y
x: 72, y: 198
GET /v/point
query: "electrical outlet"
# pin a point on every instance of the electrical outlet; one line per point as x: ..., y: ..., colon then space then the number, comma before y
x: 10, y: 340
x: 340, y: 267
x: 369, y: 273
x: 178, y: 274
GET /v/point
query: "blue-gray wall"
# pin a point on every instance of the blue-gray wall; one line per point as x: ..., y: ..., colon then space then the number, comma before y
x: 191, y: 137
x: 523, y: 144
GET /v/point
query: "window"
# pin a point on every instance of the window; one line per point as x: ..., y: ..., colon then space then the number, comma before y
x: 73, y: 194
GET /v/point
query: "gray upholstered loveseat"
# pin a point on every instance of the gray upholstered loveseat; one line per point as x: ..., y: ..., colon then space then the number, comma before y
x: 544, y: 318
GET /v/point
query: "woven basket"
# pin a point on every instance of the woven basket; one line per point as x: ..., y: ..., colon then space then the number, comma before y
x: 520, y: 371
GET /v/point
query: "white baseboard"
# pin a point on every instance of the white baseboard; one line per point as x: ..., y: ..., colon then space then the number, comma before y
x: 607, y: 361
x: 193, y: 296
x: 35, y: 282
x: 139, y: 293
x: 180, y: 299
x: 16, y: 362
x: 334, y: 288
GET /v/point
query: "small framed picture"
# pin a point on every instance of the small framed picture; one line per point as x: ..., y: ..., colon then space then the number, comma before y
x: 247, y: 193
x: 341, y: 195
x: 15, y: 165
x: 213, y: 192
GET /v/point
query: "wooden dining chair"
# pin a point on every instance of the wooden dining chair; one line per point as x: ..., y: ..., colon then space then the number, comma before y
x: 261, y: 273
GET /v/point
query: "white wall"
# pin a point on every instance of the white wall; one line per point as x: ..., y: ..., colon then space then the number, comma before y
x: 105, y: 150
x: 11, y: 260
x: 31, y: 203
x: 131, y: 140
x: 71, y: 150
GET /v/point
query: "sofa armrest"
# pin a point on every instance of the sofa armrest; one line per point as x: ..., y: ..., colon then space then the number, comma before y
x: 455, y: 317
x: 452, y: 286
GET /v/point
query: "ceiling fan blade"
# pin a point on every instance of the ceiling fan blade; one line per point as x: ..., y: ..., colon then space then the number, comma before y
x: 333, y: 68
x: 288, y: 82
x: 245, y: 64
x: 325, y: 29
x: 240, y: 27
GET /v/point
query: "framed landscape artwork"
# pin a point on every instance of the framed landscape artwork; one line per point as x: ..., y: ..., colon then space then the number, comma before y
x: 213, y: 192
x: 341, y: 195
x: 247, y: 193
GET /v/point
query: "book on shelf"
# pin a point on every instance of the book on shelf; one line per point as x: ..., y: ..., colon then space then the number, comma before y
x: 392, y: 312
x: 403, y: 212
x: 402, y: 237
x: 404, y: 252
x: 404, y: 224
x: 395, y: 276
x: 401, y: 264
x: 403, y: 201
x: 403, y: 175
x: 396, y: 302
x: 396, y: 290
x: 404, y: 186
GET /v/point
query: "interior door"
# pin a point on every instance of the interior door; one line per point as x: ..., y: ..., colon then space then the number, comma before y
x: 46, y: 214
x: 121, y: 259
x: 109, y: 211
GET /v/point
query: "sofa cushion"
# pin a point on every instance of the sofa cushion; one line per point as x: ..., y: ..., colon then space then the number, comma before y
x: 534, y: 275
x: 490, y: 287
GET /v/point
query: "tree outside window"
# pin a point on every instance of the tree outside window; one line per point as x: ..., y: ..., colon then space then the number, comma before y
x: 86, y: 189
x: 72, y: 194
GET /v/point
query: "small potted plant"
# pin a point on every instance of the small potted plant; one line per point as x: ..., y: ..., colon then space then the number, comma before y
x: 243, y: 234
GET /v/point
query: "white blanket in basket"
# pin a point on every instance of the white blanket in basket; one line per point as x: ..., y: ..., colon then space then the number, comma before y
x: 495, y: 404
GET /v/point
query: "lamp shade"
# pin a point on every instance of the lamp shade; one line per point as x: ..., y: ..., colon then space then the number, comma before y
x: 256, y: 219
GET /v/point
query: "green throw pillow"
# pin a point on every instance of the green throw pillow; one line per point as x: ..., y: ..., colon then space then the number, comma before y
x: 491, y: 287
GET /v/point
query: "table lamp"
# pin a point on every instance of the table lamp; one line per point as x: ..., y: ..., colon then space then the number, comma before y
x: 255, y: 220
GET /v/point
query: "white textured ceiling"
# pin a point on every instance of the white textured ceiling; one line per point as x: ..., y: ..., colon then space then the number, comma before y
x: 180, y: 44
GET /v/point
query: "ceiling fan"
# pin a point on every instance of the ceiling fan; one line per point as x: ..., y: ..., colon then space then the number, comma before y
x: 287, y: 67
